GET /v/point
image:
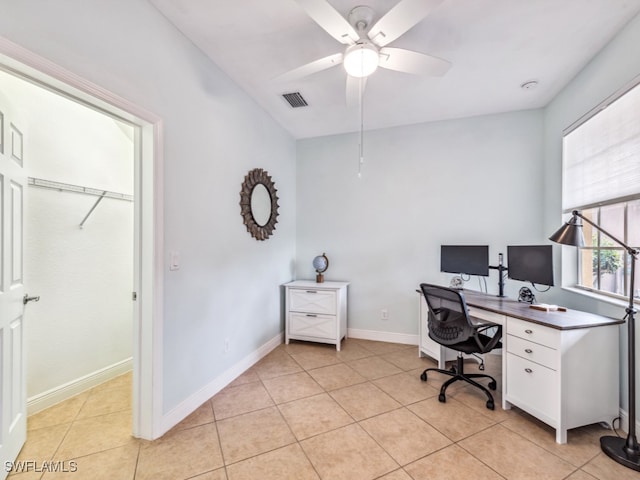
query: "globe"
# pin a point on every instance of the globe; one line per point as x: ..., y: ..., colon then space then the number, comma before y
x: 320, y: 263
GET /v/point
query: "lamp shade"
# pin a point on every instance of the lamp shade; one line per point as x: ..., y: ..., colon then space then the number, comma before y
x: 361, y: 59
x: 569, y: 234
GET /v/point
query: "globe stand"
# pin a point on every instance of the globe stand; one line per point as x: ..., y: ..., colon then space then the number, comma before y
x: 319, y: 278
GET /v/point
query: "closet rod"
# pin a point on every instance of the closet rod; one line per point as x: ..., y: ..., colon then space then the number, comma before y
x: 67, y: 187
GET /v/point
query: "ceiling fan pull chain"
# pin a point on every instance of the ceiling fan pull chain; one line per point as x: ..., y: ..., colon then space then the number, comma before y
x: 361, y: 159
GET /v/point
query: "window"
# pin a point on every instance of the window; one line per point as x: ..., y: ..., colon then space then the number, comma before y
x: 603, y: 265
x: 601, y: 178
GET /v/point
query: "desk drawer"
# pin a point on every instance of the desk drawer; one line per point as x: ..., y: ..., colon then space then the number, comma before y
x: 486, y: 315
x: 313, y: 325
x: 312, y: 301
x: 532, y: 387
x: 533, y: 332
x: 533, y: 351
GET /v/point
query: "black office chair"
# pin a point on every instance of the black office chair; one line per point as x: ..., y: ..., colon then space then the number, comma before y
x: 450, y: 325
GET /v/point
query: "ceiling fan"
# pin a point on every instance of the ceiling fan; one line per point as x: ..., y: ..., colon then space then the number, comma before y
x: 367, y: 44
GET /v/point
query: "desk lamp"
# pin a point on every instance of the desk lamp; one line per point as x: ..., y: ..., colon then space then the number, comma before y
x: 624, y: 451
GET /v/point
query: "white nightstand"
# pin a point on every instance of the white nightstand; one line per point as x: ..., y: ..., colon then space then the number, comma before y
x: 316, y: 312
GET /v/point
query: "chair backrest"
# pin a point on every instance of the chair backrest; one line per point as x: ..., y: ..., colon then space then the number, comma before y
x: 448, y: 318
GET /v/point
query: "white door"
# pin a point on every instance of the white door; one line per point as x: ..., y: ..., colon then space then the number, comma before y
x: 13, y: 185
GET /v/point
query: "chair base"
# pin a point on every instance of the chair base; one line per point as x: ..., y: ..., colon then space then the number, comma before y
x: 457, y: 374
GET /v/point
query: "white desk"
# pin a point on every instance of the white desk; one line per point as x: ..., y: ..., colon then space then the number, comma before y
x: 561, y: 367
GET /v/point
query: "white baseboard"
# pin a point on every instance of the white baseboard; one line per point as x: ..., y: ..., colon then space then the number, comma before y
x: 63, y: 392
x: 392, y: 337
x: 624, y: 422
x: 189, y: 405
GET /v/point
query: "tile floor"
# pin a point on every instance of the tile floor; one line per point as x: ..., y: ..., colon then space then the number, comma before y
x: 308, y: 412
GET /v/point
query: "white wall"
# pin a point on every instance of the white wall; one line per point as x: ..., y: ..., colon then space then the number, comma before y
x: 468, y: 181
x: 228, y: 283
x: 83, y: 321
x: 615, y: 66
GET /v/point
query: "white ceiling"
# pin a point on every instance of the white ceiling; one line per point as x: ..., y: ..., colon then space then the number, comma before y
x: 494, y: 47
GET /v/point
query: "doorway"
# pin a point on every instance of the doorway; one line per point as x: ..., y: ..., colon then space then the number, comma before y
x: 147, y: 220
x: 78, y: 250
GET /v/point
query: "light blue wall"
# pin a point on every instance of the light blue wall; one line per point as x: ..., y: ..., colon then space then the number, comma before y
x: 228, y: 283
x: 468, y: 181
x: 492, y: 180
x: 613, y: 68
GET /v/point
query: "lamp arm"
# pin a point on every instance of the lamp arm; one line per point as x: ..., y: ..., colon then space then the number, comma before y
x: 630, y: 250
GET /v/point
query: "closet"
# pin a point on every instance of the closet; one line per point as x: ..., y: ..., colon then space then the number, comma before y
x: 78, y: 251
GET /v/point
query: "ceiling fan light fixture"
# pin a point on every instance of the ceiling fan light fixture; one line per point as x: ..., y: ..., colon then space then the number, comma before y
x: 361, y: 59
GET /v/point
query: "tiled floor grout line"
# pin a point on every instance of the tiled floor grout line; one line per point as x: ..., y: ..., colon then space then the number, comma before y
x: 328, y: 392
x: 277, y: 405
x: 370, y: 381
x: 215, y: 422
x: 403, y: 406
x: 313, y: 359
x: 458, y: 443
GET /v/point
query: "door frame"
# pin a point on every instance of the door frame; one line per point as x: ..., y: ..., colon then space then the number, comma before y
x: 148, y: 220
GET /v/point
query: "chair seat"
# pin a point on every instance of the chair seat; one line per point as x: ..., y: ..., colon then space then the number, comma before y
x: 470, y: 346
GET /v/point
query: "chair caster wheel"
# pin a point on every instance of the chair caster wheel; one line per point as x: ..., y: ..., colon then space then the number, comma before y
x: 492, y: 385
x: 453, y: 369
x: 423, y: 376
x: 481, y: 366
x: 442, y: 398
x: 490, y: 405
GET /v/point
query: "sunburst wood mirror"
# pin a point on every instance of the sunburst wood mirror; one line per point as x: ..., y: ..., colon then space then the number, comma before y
x: 259, y: 204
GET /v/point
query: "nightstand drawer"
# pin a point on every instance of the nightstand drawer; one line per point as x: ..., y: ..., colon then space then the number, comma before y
x: 313, y: 325
x: 533, y: 332
x: 312, y: 301
x: 533, y: 351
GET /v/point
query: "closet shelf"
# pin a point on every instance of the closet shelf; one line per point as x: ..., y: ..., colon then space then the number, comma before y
x: 67, y: 187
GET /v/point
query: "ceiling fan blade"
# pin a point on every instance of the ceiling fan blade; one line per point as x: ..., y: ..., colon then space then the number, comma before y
x: 399, y: 19
x: 310, y: 68
x: 355, y: 90
x: 330, y: 20
x: 412, y: 62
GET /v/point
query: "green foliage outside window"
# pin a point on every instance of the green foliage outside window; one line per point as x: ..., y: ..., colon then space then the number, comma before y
x: 610, y: 260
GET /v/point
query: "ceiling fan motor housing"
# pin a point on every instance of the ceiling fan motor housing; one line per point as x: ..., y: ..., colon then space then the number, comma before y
x: 361, y: 18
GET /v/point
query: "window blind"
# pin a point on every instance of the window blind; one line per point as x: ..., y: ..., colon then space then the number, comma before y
x: 601, y: 156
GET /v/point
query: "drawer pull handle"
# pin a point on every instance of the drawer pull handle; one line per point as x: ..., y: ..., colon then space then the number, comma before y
x: 312, y: 291
x: 528, y: 350
x: 311, y: 315
x: 528, y: 370
x: 528, y: 331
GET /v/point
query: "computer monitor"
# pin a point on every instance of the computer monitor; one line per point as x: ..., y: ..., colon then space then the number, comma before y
x: 530, y: 263
x: 466, y: 259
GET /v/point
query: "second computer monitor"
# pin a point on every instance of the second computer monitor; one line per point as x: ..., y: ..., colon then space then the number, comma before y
x: 531, y: 263
x: 465, y: 259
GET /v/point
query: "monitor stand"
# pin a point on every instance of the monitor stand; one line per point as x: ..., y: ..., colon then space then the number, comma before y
x: 501, y: 269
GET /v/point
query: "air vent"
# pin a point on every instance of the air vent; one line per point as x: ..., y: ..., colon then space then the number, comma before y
x: 295, y: 99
